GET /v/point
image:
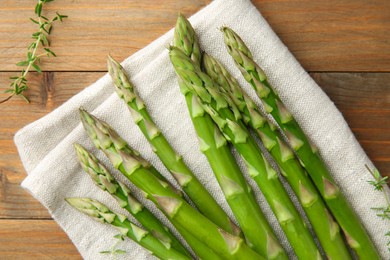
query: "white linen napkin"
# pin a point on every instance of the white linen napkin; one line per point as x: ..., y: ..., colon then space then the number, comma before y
x: 46, y: 146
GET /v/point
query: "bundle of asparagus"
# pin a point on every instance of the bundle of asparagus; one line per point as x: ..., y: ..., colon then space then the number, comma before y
x: 222, y: 114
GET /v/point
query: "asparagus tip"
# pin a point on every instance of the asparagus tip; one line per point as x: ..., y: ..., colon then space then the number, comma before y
x: 78, y: 148
x: 85, y: 116
x: 82, y: 113
x: 181, y: 18
x: 223, y: 28
x: 206, y: 59
x: 109, y: 56
x: 82, y: 110
x: 74, y: 202
x: 112, y: 66
x: 112, y: 63
x: 180, y: 15
x: 86, y: 203
x: 81, y: 153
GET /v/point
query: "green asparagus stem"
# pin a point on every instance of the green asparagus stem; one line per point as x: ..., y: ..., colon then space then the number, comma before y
x: 173, y: 162
x: 327, y: 230
x: 228, y: 119
x: 213, y: 144
x: 177, y: 210
x: 103, y: 214
x: 104, y: 180
x: 354, y: 231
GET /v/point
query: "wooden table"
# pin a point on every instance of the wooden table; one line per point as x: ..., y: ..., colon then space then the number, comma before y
x: 345, y: 45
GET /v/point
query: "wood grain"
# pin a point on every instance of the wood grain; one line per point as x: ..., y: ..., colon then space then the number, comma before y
x: 38, y: 239
x: 349, y: 35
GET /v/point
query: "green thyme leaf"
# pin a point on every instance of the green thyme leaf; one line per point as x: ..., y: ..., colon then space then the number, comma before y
x: 22, y: 63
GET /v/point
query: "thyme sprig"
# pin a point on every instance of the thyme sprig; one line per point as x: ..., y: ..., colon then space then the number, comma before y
x: 379, y: 183
x: 33, y: 58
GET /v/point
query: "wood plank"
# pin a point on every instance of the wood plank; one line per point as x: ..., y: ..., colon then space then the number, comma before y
x: 35, y: 239
x: 333, y: 35
x: 363, y: 98
x: 92, y: 31
x: 350, y: 35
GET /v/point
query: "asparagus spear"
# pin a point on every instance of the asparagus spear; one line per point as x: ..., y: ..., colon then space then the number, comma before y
x: 354, y: 231
x: 173, y: 162
x: 229, y: 122
x: 104, y: 180
x: 213, y: 144
x: 177, y: 210
x: 326, y: 228
x: 102, y: 213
